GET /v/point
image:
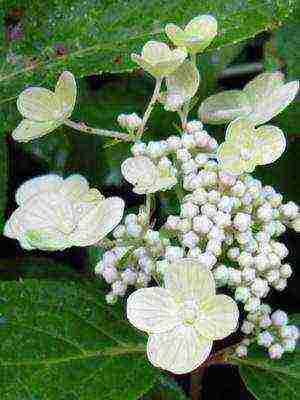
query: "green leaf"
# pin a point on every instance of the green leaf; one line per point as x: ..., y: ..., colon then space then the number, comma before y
x: 166, y: 389
x: 89, y: 38
x: 35, y: 267
x: 272, y: 379
x: 3, y: 178
x: 61, y: 341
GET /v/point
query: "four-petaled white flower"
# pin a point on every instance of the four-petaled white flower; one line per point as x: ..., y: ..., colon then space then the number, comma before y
x: 146, y: 176
x: 158, y: 59
x: 56, y: 213
x: 183, y: 318
x: 245, y: 146
x: 45, y: 110
x: 196, y: 36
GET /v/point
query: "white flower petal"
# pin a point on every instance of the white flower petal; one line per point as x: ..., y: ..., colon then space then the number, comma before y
x: 184, y: 81
x: 219, y: 317
x: 39, y: 104
x: 97, y: 221
x: 263, y: 86
x: 154, y: 51
x: 45, y: 183
x: 152, y: 310
x: 66, y: 91
x: 28, y: 130
x: 188, y: 279
x: 75, y: 186
x: 139, y: 171
x: 179, y: 351
x: 45, y: 239
x: 271, y: 143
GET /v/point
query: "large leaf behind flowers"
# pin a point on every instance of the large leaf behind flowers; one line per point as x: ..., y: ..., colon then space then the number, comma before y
x: 272, y: 379
x: 88, y: 37
x: 60, y: 341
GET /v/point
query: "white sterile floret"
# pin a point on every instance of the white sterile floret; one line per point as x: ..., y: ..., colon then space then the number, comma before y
x: 56, y: 213
x: 146, y: 176
x: 190, y: 239
x: 285, y: 271
x: 201, y: 138
x: 173, y: 317
x: 265, y: 339
x: 242, y: 222
x: 279, y: 318
x: 247, y: 327
x: 221, y: 275
x: 242, y: 294
x: 241, y: 351
x: 276, y: 351
x: 194, y: 126
x: 173, y: 252
x: 189, y: 210
x: 289, y: 210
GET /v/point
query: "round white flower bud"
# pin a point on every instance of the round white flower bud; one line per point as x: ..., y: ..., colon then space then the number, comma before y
x: 265, y: 321
x: 242, y: 294
x: 173, y: 253
x: 190, y: 239
x: 209, y: 210
x: 222, y: 219
x: 172, y: 222
x: 202, y: 224
x: 225, y: 204
x: 174, y: 143
x: 152, y: 237
x: 216, y: 233
x: 199, y: 196
x: 296, y: 224
x: 201, y: 159
x: 214, y: 246
x: 221, y: 275
x: 280, y: 285
x: 285, y: 271
x: 183, y: 155
x: 143, y: 279
x: 234, y: 277
x: 131, y: 219
x: 272, y: 275
x: 188, y: 141
x: 238, y: 190
x: 184, y: 225
x: 261, y: 262
x: 279, y: 318
x: 226, y: 178
x: 99, y: 268
x: 139, y: 149
x: 247, y: 327
x: 110, y: 274
x: 265, y: 213
x: 233, y: 253
x: 130, y: 122
x: 119, y: 288
x: 280, y: 249
x: 259, y: 287
x: 265, y: 339
x: 129, y: 277
x: 110, y: 258
x: 119, y: 232
x: 209, y: 178
x: 134, y: 230
x: 289, y: 210
x: 276, y: 351
x: 244, y: 237
x: 265, y: 309
x: 241, y: 351
x: 252, y: 304
x: 194, y: 126
x: 245, y: 260
x: 201, y: 138
x: 247, y: 199
x: 289, y: 345
x: 213, y: 196
x: 189, y: 210
x: 242, y: 222
x: 189, y: 167
x: 157, y: 149
x: 248, y: 275
x: 262, y: 237
x: 111, y: 298
x: 274, y: 260
x: 275, y: 200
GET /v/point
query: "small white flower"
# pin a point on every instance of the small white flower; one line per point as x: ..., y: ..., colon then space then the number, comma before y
x: 129, y: 276
x: 286, y: 271
x: 183, y: 318
x: 276, y: 351
x: 130, y: 122
x: 194, y: 126
x: 265, y: 339
x: 146, y: 176
x: 279, y: 318
x: 56, y: 213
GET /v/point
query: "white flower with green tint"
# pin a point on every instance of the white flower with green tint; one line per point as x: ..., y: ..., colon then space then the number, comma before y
x: 182, y: 86
x: 261, y: 99
x: 183, y: 318
x: 196, y: 36
x: 158, y: 59
x: 56, y: 213
x: 245, y: 146
x: 146, y: 176
x: 44, y: 110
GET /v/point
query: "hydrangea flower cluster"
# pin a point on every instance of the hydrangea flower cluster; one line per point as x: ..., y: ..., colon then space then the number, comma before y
x: 269, y: 330
x: 226, y: 232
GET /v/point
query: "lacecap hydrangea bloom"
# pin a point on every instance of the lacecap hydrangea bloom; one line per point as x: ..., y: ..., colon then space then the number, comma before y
x: 183, y: 317
x: 56, y: 213
x: 44, y: 110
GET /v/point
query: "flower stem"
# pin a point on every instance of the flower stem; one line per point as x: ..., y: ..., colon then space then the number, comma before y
x: 100, y: 132
x: 150, y: 107
x: 148, y: 205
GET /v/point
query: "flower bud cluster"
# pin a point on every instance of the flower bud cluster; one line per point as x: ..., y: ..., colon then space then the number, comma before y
x: 270, y: 331
x: 134, y: 259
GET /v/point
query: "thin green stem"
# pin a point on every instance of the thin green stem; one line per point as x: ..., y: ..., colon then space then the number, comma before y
x: 100, y: 132
x: 150, y: 106
x: 148, y: 205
